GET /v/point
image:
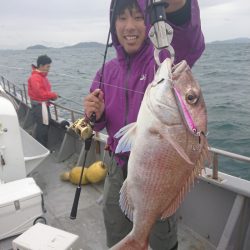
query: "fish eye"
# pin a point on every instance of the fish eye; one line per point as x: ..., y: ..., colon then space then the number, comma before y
x: 191, y: 98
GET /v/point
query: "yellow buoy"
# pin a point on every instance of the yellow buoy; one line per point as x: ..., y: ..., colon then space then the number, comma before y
x: 96, y: 172
x: 74, y: 176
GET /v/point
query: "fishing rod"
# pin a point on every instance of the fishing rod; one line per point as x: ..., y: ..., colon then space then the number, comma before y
x: 86, y: 124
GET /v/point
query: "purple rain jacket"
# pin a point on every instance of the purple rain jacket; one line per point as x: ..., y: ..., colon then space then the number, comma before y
x: 126, y: 77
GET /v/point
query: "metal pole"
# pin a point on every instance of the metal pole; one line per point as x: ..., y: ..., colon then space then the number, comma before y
x: 215, y: 166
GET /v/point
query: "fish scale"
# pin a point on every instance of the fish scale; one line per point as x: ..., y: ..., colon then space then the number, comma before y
x: 165, y: 151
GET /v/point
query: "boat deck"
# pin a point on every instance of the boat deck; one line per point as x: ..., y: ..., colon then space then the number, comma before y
x: 58, y: 198
x: 216, y: 208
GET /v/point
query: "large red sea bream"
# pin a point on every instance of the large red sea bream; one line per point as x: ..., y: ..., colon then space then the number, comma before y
x: 168, y: 146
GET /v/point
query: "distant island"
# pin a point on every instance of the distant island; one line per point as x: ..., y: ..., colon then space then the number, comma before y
x: 84, y: 45
x: 236, y: 40
x: 96, y: 44
x: 75, y: 46
x: 38, y: 46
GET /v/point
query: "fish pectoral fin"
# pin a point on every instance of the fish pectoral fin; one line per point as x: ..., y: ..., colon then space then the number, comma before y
x: 127, y: 135
x: 125, y: 205
x: 180, y: 150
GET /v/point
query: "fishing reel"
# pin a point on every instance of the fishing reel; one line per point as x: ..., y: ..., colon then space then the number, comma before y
x: 83, y: 128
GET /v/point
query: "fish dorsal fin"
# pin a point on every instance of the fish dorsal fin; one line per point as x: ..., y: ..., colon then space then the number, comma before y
x: 125, y: 205
x: 127, y: 135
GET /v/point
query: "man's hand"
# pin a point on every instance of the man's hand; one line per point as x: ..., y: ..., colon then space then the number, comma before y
x: 94, y: 103
x: 55, y: 96
x: 174, y: 5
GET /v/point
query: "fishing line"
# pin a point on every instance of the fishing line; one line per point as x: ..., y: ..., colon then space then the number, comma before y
x: 122, y: 88
x: 51, y: 72
x: 8, y: 67
x: 66, y: 99
x: 61, y: 74
x: 81, y: 78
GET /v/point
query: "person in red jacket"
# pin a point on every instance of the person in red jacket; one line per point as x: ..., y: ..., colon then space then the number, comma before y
x: 39, y: 91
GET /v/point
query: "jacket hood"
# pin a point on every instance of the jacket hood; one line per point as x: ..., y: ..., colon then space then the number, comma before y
x: 143, y: 5
x: 188, y: 39
x: 36, y: 71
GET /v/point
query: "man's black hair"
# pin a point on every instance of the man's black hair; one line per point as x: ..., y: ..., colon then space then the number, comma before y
x: 42, y: 60
x: 120, y: 6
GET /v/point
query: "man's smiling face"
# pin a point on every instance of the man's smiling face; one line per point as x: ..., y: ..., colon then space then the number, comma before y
x: 131, y: 30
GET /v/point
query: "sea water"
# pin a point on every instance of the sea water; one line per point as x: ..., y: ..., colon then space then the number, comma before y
x: 223, y: 72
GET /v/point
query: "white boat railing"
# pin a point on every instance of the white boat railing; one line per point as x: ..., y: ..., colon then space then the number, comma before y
x: 219, y: 152
x: 21, y: 95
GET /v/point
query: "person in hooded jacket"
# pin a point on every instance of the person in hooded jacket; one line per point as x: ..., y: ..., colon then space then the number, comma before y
x: 117, y: 101
x: 39, y: 91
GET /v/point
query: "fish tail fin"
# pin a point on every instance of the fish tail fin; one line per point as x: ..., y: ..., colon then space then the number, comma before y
x: 130, y: 243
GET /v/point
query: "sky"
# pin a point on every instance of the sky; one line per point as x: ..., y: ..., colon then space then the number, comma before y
x: 58, y: 23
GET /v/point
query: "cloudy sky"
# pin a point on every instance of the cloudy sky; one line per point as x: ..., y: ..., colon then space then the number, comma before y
x: 66, y: 22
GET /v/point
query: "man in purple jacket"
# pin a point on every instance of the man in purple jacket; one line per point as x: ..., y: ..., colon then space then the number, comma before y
x: 117, y: 102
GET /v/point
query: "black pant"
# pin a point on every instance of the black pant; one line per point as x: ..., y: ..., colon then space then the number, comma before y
x: 42, y: 130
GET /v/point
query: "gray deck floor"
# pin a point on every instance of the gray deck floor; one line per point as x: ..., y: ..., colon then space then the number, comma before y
x: 59, y: 198
x: 88, y: 225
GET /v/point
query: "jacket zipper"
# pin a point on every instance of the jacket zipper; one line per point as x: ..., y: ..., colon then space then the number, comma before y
x: 126, y: 90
